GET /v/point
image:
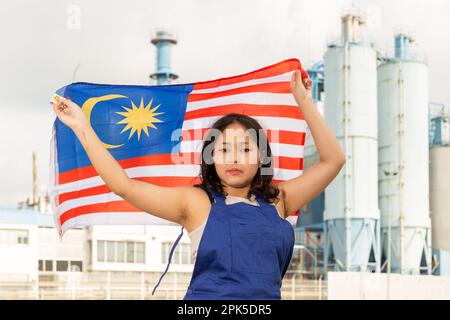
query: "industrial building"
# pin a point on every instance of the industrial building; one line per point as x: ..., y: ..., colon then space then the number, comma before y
x: 386, y: 210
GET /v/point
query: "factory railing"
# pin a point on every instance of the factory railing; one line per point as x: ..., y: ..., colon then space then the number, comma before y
x: 112, y: 287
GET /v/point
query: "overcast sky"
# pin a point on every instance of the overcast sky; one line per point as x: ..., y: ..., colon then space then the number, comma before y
x: 45, y: 46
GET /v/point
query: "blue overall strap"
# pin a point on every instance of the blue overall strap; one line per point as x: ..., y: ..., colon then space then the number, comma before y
x: 170, y: 258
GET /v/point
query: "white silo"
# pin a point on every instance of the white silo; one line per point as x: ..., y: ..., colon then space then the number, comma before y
x: 440, y: 190
x: 351, y: 213
x: 403, y: 159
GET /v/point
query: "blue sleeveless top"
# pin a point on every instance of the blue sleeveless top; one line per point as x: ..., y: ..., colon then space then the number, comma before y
x: 244, y: 252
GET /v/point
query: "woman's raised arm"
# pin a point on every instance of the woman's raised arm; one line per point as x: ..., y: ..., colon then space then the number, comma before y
x: 298, y: 191
x: 169, y: 203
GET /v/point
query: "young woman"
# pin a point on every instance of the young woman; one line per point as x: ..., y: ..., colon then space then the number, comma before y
x: 246, y: 243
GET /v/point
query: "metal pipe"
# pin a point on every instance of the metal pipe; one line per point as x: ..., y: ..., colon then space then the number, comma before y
x: 326, y: 248
x: 346, y: 180
x: 301, y: 260
x: 401, y: 166
x: 389, y: 233
x: 315, y: 262
x: 34, y: 202
x: 293, y: 287
x: 378, y: 240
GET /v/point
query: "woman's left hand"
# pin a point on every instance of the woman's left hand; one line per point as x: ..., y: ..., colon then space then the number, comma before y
x: 301, y: 88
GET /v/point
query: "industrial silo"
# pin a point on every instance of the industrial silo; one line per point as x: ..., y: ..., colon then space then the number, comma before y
x: 351, y: 215
x: 403, y: 160
x: 440, y: 191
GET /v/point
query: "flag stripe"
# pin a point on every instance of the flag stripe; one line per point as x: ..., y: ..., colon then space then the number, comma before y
x: 110, y: 206
x: 292, y: 163
x: 278, y: 149
x: 263, y: 99
x: 273, y: 123
x: 93, y: 202
x: 280, y: 136
x: 167, y: 171
x: 276, y: 87
x: 102, y: 217
x: 269, y: 71
x: 277, y: 78
x: 190, y: 155
x: 117, y: 218
x: 284, y: 111
x: 98, y: 188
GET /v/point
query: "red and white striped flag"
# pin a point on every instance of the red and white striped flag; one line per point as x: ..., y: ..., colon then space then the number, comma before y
x: 79, y: 196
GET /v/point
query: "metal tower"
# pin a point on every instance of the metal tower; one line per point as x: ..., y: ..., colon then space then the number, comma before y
x: 163, y: 41
x: 351, y: 216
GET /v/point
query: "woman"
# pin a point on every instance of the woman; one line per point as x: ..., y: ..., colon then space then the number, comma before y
x: 244, y: 249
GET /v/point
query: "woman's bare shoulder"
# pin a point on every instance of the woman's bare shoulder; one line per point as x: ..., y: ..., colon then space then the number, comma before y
x: 198, y: 205
x: 196, y: 194
x: 280, y: 205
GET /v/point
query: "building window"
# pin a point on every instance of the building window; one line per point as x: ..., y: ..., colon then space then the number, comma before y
x: 48, y: 264
x: 176, y: 254
x: 130, y: 252
x: 76, y: 266
x: 110, y: 251
x: 22, y: 237
x: 181, y: 255
x: 121, y: 251
x: 13, y: 236
x: 62, y: 265
x: 89, y: 255
x: 185, y: 253
x: 45, y: 265
x: 140, y: 253
x: 101, y: 251
x: 165, y: 249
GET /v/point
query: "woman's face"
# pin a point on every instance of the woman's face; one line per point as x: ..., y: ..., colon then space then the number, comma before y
x: 236, y: 148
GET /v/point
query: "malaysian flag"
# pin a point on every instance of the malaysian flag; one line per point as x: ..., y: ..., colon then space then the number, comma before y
x: 156, y: 134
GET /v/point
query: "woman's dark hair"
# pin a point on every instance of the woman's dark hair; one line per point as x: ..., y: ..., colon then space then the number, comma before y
x: 261, y: 184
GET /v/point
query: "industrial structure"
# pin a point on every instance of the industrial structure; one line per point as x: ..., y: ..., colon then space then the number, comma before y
x: 163, y: 42
x: 440, y: 189
x: 351, y: 214
x: 387, y: 210
x: 403, y: 159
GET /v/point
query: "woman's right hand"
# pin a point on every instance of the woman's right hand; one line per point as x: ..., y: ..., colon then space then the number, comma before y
x: 301, y: 87
x: 70, y: 114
